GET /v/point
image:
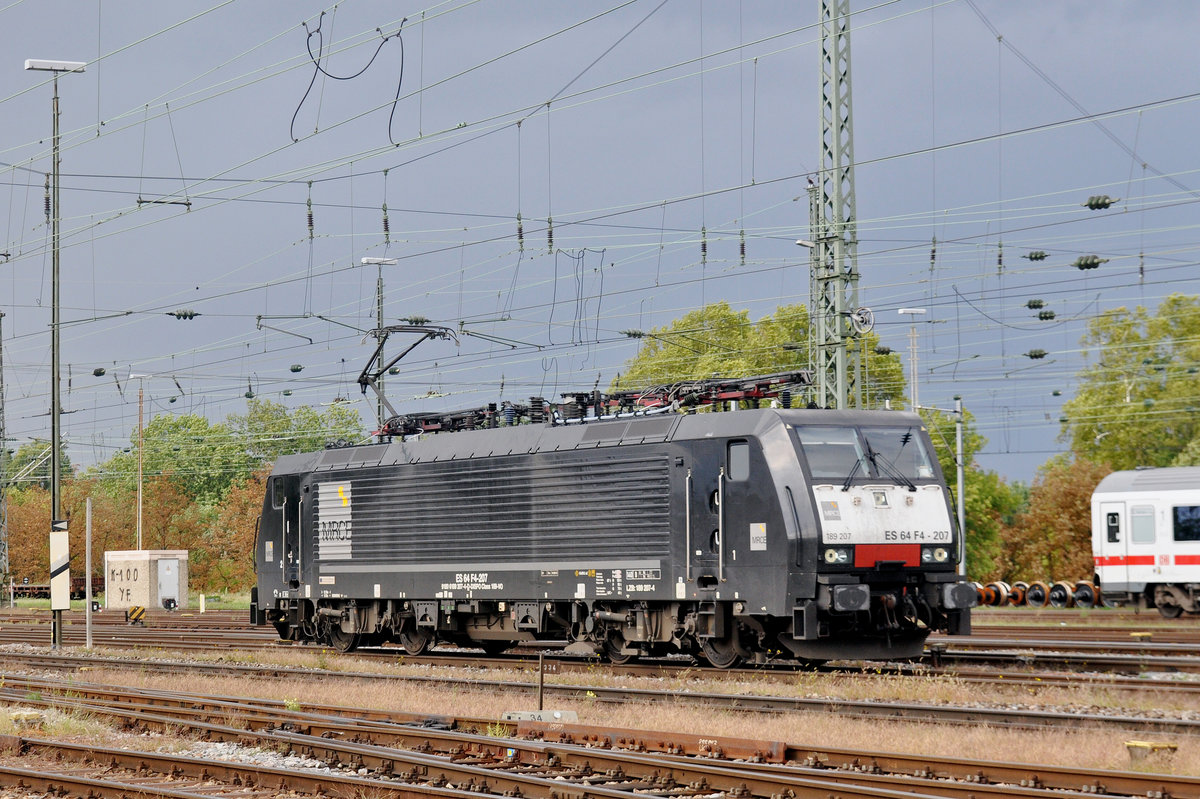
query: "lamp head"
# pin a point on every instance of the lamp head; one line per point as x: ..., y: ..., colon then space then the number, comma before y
x: 47, y: 65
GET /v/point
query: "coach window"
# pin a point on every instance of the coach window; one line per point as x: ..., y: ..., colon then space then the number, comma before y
x: 277, y: 494
x: 739, y: 460
x: 1112, y: 523
x: 1187, y: 522
x: 1141, y: 524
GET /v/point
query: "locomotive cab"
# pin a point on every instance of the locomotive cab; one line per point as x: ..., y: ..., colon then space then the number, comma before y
x: 887, y: 550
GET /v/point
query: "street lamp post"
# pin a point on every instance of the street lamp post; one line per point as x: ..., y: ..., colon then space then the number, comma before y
x: 56, y: 523
x: 55, y: 67
x: 912, y: 349
x: 379, y: 262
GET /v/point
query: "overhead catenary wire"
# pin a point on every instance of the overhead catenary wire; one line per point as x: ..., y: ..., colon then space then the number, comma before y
x: 715, y: 237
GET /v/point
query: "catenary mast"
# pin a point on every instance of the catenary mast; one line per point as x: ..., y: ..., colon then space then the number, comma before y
x: 837, y: 365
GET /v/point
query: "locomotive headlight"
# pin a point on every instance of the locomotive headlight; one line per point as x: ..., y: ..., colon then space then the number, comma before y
x: 837, y: 556
x: 934, y: 554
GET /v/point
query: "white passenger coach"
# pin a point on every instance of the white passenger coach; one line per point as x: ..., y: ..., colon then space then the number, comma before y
x: 1146, y: 538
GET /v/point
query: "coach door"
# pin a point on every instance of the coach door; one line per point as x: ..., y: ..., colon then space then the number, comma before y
x: 1114, y: 544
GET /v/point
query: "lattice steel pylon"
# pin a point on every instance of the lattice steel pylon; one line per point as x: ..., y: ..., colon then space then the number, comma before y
x: 837, y: 366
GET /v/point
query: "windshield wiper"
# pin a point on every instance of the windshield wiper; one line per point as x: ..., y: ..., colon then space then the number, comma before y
x: 850, y: 477
x: 891, y: 471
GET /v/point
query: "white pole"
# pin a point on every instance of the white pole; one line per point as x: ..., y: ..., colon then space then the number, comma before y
x: 912, y: 362
x: 202, y: 603
x: 87, y: 574
x: 141, y: 450
x: 913, y: 313
x: 962, y: 489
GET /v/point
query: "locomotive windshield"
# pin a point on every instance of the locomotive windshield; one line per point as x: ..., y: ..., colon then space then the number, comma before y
x: 886, y: 453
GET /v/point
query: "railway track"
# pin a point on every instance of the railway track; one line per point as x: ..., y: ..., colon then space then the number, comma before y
x: 875, y: 709
x: 1173, y: 648
x: 1034, y: 667
x: 404, y: 754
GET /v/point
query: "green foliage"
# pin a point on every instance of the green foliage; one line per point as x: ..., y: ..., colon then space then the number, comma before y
x: 198, y: 456
x: 989, y: 503
x: 205, y: 459
x: 267, y: 430
x: 717, y: 340
x: 30, y: 464
x: 1137, y: 405
x: 202, y: 488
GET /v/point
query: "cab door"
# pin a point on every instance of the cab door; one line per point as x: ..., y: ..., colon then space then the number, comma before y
x: 706, y: 482
x: 286, y: 501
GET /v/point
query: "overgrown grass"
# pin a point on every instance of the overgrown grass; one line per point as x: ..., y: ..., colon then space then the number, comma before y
x: 69, y: 725
x: 1094, y: 749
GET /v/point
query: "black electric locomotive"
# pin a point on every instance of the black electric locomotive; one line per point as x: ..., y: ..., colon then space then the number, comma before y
x: 734, y: 536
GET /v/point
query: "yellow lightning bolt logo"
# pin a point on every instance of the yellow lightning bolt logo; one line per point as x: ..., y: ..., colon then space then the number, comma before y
x: 342, y: 494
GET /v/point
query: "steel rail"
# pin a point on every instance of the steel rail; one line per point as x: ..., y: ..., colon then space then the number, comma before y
x: 576, y: 752
x: 874, y: 709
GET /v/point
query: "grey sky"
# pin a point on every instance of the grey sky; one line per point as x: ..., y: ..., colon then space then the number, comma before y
x: 955, y: 136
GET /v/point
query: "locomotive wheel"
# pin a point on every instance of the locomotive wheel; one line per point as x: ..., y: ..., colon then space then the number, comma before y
x: 998, y: 593
x: 722, y: 653
x: 342, y: 641
x: 1037, y: 594
x: 1016, y: 595
x: 1085, y: 594
x: 1061, y: 595
x: 612, y: 650
x: 414, y: 642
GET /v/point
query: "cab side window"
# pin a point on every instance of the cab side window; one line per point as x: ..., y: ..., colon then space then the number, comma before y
x: 278, y: 497
x: 738, y: 460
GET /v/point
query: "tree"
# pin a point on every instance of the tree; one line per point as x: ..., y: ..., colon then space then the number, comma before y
x: 30, y: 464
x: 989, y: 503
x: 29, y: 528
x: 1138, y: 404
x: 198, y: 456
x: 1053, y: 539
x: 717, y: 340
x: 267, y: 430
x: 225, y: 562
